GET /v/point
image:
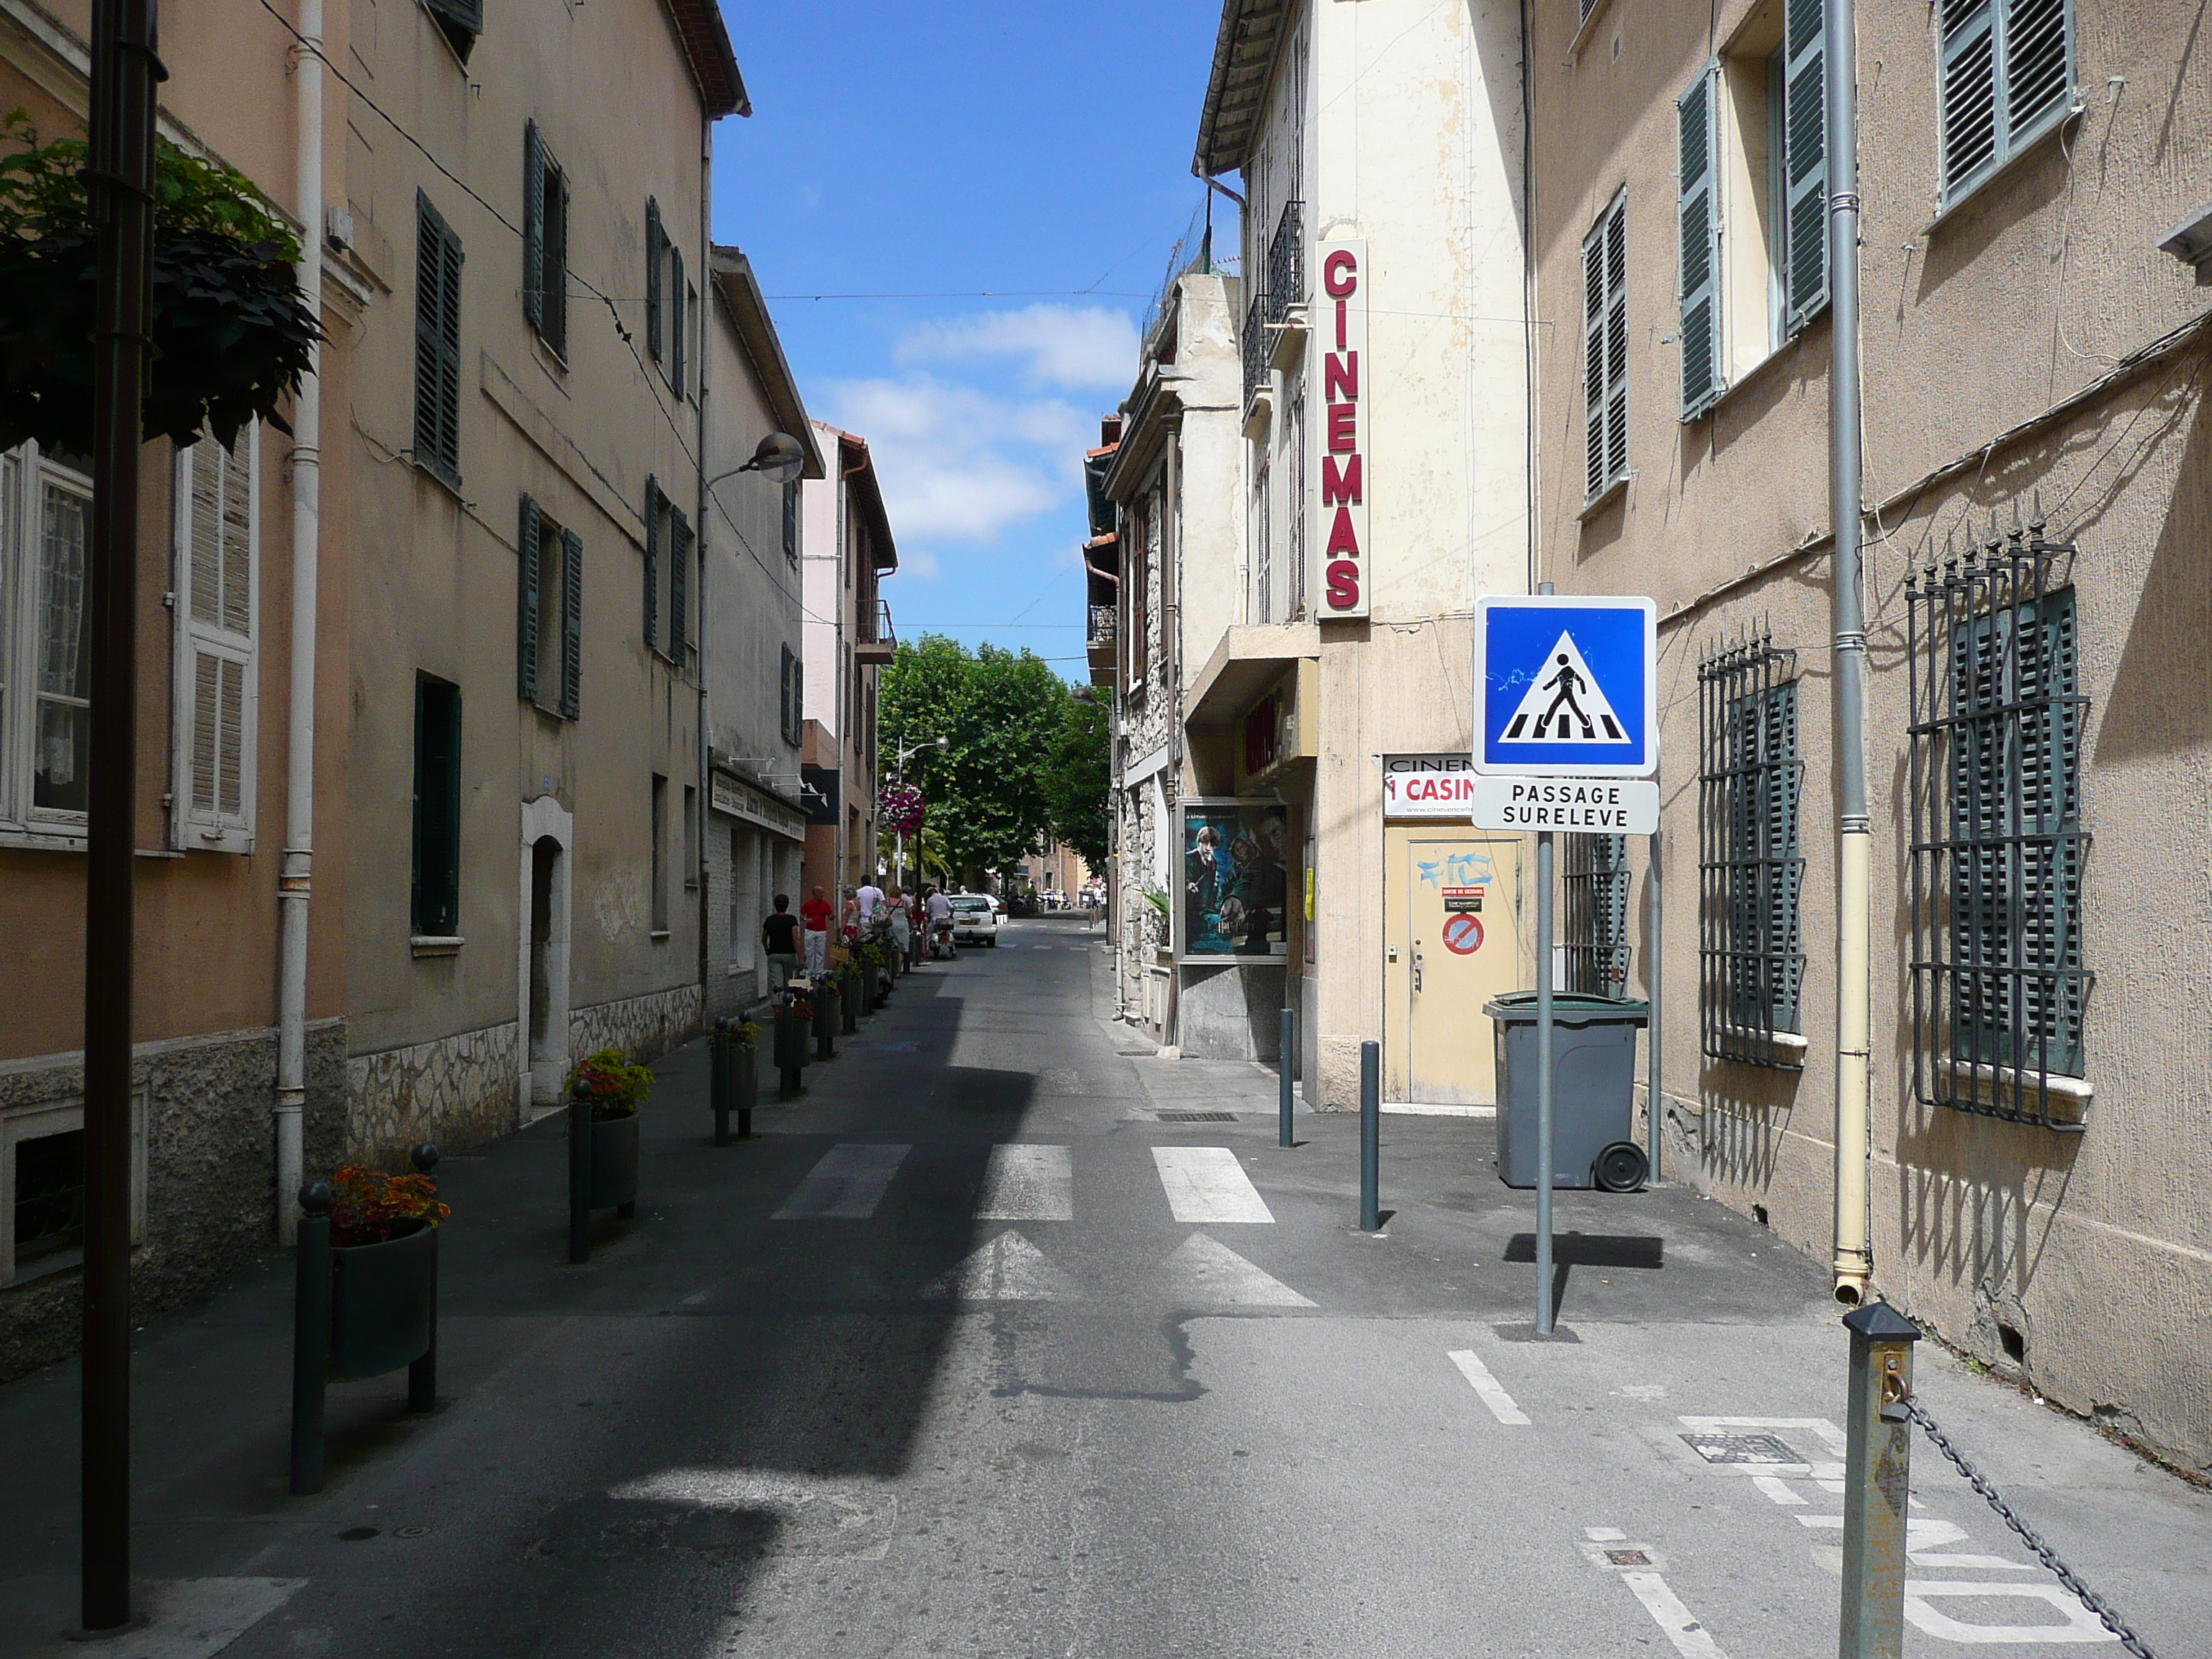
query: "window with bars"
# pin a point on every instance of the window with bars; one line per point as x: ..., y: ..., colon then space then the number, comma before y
x: 1751, y: 876
x: 2000, y: 990
x: 1605, y: 350
x: 1594, y: 890
x: 2007, y: 78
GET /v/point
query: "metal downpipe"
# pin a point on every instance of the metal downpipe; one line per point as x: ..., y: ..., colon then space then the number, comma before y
x: 1854, y: 1257
x: 295, y: 882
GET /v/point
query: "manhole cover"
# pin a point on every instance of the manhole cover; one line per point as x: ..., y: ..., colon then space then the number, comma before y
x: 1740, y: 1449
x: 357, y: 1534
x: 410, y: 1531
x: 1628, y: 1558
x: 1196, y: 1117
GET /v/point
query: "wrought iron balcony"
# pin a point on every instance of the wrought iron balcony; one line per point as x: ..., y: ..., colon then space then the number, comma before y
x: 1286, y: 262
x: 1102, y: 624
x: 1255, y: 346
x: 874, y: 639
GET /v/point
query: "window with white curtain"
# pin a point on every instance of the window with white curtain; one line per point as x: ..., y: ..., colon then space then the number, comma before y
x: 45, y: 648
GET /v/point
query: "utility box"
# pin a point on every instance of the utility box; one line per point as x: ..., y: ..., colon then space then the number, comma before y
x: 1593, y: 1090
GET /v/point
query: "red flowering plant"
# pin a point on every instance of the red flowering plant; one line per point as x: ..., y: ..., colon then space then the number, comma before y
x: 371, y: 1208
x: 900, y: 807
x: 618, y: 1088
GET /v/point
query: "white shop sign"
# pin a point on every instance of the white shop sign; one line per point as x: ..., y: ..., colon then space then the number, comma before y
x: 1588, y: 806
x: 1427, y: 785
x: 737, y: 800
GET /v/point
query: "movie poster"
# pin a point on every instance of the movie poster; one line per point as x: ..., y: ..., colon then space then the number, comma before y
x: 1236, y: 878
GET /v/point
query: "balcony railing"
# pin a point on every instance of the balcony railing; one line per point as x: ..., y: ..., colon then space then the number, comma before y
x: 874, y: 640
x: 1286, y: 262
x: 1102, y: 624
x: 1255, y: 345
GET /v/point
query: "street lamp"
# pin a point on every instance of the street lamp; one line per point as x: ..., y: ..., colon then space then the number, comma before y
x: 906, y: 751
x: 779, y: 458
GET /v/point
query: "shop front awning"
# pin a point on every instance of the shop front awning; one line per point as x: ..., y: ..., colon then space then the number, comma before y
x: 1249, y: 661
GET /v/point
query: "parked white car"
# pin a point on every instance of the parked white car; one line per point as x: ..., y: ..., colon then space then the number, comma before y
x: 974, y: 919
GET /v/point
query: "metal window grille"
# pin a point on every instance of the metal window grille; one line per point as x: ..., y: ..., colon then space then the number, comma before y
x: 1999, y: 991
x: 1751, y: 947
x: 1595, y: 889
x: 1286, y: 262
x: 1255, y: 345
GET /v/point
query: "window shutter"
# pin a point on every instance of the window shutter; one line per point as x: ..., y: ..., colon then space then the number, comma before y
x: 461, y: 21
x: 791, y: 521
x: 1805, y: 141
x: 1970, y: 94
x: 2038, y: 65
x: 675, y: 319
x: 1594, y: 359
x: 2008, y: 76
x: 216, y: 617
x: 1605, y: 345
x: 437, y: 343
x: 1700, y: 223
x: 679, y: 565
x: 783, y: 696
x: 554, y: 279
x: 654, y: 241
x: 533, y: 227
x: 572, y: 625
x: 652, y: 563
x: 527, y: 538
x: 798, y: 697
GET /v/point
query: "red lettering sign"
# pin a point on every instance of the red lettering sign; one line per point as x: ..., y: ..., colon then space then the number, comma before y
x: 1340, y: 376
x: 1342, y: 539
x: 1343, y: 585
x: 1343, y: 430
x: 1339, y: 274
x: 1337, y: 487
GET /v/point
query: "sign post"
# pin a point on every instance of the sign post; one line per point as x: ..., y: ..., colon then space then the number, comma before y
x: 1566, y: 738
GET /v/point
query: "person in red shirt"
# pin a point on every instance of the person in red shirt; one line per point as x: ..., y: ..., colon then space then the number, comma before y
x: 816, y: 912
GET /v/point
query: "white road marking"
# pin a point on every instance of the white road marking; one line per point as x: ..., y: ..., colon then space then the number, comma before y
x: 1008, y: 1269
x: 1027, y: 1183
x: 1206, y: 1272
x: 2081, y: 1625
x: 1488, y: 1387
x: 1775, y: 1488
x: 1923, y: 1534
x: 847, y: 1184
x: 1604, y: 1534
x: 1206, y: 1185
x: 1691, y: 1639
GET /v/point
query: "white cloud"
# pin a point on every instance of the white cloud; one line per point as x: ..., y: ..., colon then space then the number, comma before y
x: 959, y: 463
x: 1063, y: 345
x: 919, y: 563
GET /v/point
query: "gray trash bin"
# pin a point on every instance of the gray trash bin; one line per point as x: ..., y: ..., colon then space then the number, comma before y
x: 1593, y: 1090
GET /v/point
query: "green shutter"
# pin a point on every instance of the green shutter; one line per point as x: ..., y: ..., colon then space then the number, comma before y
x: 652, y: 517
x: 676, y: 319
x: 1594, y: 477
x: 533, y: 226
x: 437, y: 841
x: 679, y: 565
x: 653, y: 243
x: 437, y: 343
x: 2007, y: 78
x: 460, y: 21
x: 791, y: 522
x: 1805, y: 149
x: 554, y: 283
x: 1698, y: 119
x: 572, y: 624
x: 528, y: 539
x: 1605, y: 345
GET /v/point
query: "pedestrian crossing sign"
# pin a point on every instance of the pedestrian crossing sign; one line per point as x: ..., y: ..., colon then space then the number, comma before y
x: 1565, y: 685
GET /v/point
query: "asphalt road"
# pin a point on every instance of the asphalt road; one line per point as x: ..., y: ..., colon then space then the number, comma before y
x: 985, y: 1347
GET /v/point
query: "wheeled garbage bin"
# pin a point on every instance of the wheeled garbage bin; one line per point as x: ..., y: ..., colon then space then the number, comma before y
x: 1593, y: 1090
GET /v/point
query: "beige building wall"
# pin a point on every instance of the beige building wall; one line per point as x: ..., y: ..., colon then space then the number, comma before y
x: 2021, y: 355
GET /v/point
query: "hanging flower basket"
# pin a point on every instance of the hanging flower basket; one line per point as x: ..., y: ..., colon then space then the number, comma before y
x: 230, y: 337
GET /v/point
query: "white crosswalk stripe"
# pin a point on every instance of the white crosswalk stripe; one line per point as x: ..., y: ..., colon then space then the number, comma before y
x: 1206, y: 1273
x: 1008, y: 1269
x: 1206, y: 1185
x: 847, y: 1184
x: 1027, y: 1183
x: 1490, y: 1391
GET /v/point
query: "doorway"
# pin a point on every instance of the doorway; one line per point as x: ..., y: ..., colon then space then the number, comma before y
x: 1452, y: 941
x: 548, y: 1037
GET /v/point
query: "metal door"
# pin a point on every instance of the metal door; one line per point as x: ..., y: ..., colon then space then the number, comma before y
x: 1458, y: 923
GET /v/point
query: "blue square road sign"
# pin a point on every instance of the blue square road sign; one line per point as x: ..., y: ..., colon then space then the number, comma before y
x: 1566, y: 685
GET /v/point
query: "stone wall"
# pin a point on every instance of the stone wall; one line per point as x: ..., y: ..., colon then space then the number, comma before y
x: 453, y: 1091
x: 211, y: 1172
x: 644, y: 1027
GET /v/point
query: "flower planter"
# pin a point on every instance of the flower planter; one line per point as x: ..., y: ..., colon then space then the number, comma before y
x: 744, y: 1078
x: 383, y: 1304
x: 614, y: 1162
x: 849, y: 1001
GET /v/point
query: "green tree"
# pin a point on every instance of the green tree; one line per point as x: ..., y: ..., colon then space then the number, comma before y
x: 1002, y: 712
x: 1078, y: 777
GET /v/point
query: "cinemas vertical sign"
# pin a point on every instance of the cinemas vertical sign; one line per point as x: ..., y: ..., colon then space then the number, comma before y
x: 1341, y: 329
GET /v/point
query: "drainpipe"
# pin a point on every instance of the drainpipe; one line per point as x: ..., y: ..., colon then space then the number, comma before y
x: 703, y: 757
x: 293, y: 882
x: 1854, y: 1259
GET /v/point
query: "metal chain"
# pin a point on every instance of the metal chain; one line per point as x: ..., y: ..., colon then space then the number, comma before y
x: 2065, y: 1575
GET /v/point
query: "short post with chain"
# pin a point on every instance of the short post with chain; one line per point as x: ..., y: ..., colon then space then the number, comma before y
x: 1877, y: 1470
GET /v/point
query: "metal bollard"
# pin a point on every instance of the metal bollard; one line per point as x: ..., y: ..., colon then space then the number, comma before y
x: 719, y: 1079
x: 311, y: 1336
x: 422, y: 1373
x: 1370, y: 1136
x: 1877, y: 1469
x: 849, y: 1001
x: 825, y: 1018
x: 579, y: 1172
x: 1288, y: 1066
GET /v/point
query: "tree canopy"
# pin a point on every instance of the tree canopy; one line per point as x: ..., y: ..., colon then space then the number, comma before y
x: 1076, y: 778
x: 1005, y: 715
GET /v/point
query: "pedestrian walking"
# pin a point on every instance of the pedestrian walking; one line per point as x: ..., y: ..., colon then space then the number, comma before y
x: 867, y: 899
x: 780, y: 933
x: 901, y: 926
x: 815, y: 914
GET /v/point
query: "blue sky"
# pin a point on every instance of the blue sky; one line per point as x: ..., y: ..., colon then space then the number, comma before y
x: 1039, y: 151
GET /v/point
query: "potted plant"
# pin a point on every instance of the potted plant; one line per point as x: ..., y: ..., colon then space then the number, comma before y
x: 384, y: 1266
x: 618, y: 1089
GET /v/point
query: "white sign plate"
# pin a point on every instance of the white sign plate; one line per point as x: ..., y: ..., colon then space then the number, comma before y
x: 1426, y: 785
x: 1565, y: 686
x: 1583, y: 806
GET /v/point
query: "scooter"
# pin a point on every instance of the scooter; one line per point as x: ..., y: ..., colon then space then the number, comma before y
x: 940, y: 942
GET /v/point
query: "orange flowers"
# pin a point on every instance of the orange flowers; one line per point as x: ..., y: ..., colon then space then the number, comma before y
x: 373, y: 1207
